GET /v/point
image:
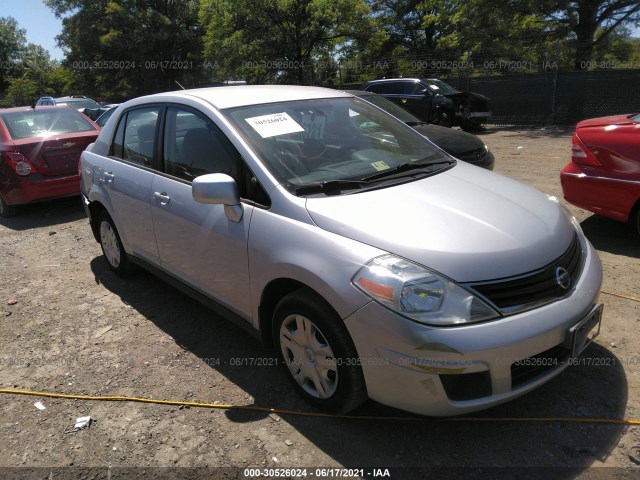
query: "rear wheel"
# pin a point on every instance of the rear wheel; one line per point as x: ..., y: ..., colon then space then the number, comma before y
x: 7, y: 211
x: 314, y: 345
x: 112, y: 248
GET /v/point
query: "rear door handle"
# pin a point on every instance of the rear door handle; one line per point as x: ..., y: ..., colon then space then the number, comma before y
x: 163, y: 197
x: 108, y: 176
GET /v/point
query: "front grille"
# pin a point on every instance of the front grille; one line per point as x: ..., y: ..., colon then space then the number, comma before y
x: 536, y: 288
x: 473, y: 156
x: 527, y: 369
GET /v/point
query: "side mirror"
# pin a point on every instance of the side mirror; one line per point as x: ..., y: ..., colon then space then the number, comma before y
x: 424, y: 91
x: 218, y: 189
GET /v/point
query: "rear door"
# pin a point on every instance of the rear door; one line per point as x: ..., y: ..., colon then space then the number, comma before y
x: 197, y: 243
x: 127, y: 177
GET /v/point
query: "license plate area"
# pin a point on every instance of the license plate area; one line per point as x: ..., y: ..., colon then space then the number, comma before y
x: 585, y: 331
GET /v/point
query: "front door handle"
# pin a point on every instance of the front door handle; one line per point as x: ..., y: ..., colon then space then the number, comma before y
x: 163, y: 197
x: 108, y: 176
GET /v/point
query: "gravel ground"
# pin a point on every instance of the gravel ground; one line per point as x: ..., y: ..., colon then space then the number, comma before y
x: 68, y: 325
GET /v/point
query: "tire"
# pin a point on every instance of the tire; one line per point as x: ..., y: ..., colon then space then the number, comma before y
x: 442, y: 118
x: 471, y: 125
x: 7, y: 211
x: 112, y: 248
x: 636, y: 220
x: 317, y: 352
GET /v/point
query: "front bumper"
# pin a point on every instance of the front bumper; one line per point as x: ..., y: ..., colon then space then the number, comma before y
x: 479, y: 115
x: 598, y: 191
x: 419, y: 369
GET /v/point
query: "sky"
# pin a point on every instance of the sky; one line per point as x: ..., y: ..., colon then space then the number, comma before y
x: 42, y: 26
x: 38, y: 20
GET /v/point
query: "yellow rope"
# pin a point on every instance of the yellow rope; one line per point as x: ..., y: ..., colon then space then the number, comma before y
x: 621, y: 296
x: 117, y: 398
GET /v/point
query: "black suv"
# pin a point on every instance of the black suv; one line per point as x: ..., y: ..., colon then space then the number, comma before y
x: 434, y: 101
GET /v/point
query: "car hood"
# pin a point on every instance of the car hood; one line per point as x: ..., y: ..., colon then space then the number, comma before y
x: 449, y: 140
x: 467, y: 223
x: 604, y: 121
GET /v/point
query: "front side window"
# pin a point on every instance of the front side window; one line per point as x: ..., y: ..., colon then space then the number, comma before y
x: 312, y: 142
x: 135, y: 137
x: 194, y: 146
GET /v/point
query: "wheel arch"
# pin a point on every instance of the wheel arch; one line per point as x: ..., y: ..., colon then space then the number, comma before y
x: 634, y: 216
x: 95, y: 210
x: 271, y: 295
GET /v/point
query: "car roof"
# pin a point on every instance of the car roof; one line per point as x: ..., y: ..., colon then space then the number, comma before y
x: 360, y: 93
x: 409, y: 79
x: 243, y: 95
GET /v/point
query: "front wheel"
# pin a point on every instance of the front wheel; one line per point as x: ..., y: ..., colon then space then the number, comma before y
x: 442, y: 118
x: 112, y: 248
x: 316, y: 348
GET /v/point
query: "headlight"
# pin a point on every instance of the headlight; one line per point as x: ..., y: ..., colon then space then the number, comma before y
x: 574, y: 220
x: 420, y: 294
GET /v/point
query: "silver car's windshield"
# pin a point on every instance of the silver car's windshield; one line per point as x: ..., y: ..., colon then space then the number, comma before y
x: 311, y: 142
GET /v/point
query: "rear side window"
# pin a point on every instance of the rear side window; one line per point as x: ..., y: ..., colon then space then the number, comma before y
x: 135, y: 137
x: 380, y: 88
x: 42, y: 122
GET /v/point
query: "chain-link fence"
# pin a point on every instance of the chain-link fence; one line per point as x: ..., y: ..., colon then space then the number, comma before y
x: 523, y: 93
x: 557, y: 98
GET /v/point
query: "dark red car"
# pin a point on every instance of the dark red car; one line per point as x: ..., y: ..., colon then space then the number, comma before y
x: 39, y: 153
x: 604, y: 174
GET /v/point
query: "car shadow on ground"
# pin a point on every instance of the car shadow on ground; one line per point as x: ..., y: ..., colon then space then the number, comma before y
x: 537, y: 430
x: 610, y: 236
x: 45, y: 214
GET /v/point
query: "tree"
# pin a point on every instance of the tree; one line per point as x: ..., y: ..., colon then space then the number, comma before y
x: 12, y: 43
x: 279, y: 40
x: 22, y: 91
x: 591, y: 22
x: 130, y: 47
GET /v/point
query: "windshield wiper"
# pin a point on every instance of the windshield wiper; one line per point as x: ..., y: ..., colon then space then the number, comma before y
x: 405, y: 167
x: 415, y: 124
x: 330, y: 187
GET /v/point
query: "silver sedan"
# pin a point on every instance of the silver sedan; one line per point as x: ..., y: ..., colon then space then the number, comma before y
x: 376, y: 265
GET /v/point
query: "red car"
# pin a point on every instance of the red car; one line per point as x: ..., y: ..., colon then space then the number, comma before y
x: 39, y: 154
x: 604, y: 174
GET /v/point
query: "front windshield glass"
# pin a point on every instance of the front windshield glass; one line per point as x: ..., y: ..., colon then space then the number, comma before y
x: 438, y: 86
x: 82, y: 103
x: 307, y: 142
x: 635, y: 118
x: 390, y: 107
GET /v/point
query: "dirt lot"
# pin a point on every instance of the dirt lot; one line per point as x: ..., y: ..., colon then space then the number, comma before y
x: 78, y: 329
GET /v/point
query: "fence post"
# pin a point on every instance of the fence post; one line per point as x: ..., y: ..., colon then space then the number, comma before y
x: 554, y: 96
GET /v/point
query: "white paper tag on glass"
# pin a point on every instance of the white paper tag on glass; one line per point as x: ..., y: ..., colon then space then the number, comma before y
x: 274, y: 124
